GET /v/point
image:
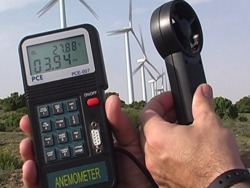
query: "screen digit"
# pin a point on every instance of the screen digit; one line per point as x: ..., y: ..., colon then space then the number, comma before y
x: 55, y: 49
x: 37, y: 66
x: 67, y: 58
x: 57, y: 60
x: 63, y: 50
x: 48, y: 64
x: 67, y: 47
x: 74, y: 46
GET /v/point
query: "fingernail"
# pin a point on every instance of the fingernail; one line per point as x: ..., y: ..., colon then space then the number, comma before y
x: 207, y: 91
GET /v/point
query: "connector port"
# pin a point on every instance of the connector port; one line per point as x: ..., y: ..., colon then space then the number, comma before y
x: 96, y: 138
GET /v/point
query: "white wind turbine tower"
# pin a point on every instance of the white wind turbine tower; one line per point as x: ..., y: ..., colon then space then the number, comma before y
x: 51, y: 3
x: 162, y: 89
x: 153, y: 87
x: 126, y: 31
x: 142, y: 66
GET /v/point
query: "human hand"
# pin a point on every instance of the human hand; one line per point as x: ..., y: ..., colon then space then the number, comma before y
x: 127, y: 137
x: 186, y: 156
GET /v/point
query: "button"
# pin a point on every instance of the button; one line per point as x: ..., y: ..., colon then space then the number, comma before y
x: 78, y: 149
x: 64, y: 152
x: 62, y: 137
x: 60, y: 123
x: 57, y: 108
x: 76, y: 135
x: 48, y: 141
x: 74, y: 119
x: 93, y: 102
x: 50, y: 155
x: 71, y: 105
x: 45, y: 126
x: 43, y: 111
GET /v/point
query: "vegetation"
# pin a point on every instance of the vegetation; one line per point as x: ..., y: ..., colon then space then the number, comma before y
x: 13, y: 103
x: 243, y: 105
x: 235, y: 116
x: 11, y: 110
x: 9, y: 160
x: 225, y: 109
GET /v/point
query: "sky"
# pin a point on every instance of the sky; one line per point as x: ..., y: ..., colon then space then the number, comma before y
x: 225, y: 53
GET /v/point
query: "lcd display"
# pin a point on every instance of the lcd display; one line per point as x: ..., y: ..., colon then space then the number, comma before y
x: 57, y: 55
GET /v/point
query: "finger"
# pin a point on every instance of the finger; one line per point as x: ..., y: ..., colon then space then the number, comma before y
x: 202, y: 106
x: 25, y: 125
x: 159, y: 109
x: 26, y: 149
x: 202, y: 100
x: 30, y: 178
x: 122, y: 127
x: 142, y: 140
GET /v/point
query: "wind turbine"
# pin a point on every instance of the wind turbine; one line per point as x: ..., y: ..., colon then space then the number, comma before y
x: 153, y: 87
x: 126, y: 31
x: 162, y: 89
x: 142, y: 66
x: 51, y: 3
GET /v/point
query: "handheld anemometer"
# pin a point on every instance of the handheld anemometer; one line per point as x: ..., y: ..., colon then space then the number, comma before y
x: 64, y: 80
x: 177, y: 35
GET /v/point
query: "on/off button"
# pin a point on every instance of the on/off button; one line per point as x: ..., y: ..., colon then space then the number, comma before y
x: 93, y: 101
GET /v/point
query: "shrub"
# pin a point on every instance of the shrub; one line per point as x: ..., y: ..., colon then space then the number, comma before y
x: 242, y: 118
x: 14, y: 102
x: 133, y: 115
x: 243, y: 105
x: 11, y: 119
x: 225, y: 109
x: 9, y: 160
x: 2, y: 127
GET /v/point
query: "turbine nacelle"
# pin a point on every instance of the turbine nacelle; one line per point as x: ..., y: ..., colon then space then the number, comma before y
x: 142, y: 60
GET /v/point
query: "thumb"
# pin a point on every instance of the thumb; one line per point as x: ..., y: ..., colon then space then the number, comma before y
x: 124, y: 132
x: 202, y: 101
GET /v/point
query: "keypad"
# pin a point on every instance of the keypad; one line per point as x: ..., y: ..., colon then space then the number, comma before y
x: 61, y: 130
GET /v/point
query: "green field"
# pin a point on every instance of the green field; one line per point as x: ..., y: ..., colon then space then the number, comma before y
x: 10, y: 162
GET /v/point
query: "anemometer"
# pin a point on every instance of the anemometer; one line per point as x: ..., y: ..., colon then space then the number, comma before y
x: 177, y: 35
x: 64, y: 80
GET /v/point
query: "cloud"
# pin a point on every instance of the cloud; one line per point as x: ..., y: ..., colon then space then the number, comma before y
x: 14, y: 4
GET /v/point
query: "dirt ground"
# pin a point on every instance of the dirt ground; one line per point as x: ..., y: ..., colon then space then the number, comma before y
x: 12, y: 140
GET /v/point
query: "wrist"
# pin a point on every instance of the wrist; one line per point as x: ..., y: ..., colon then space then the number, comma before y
x: 232, y: 178
x: 241, y: 185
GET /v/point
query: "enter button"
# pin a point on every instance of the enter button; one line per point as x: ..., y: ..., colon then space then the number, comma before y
x: 93, y: 102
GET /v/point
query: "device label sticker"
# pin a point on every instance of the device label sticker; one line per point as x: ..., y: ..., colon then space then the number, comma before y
x: 80, y: 72
x: 79, y: 176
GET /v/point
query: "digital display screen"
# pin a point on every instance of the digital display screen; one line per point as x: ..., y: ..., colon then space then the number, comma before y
x: 57, y: 55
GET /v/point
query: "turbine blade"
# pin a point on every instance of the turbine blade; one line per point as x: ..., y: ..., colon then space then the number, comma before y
x: 118, y: 31
x: 137, y: 69
x: 46, y: 8
x: 159, y: 76
x: 142, y: 42
x: 90, y: 9
x: 136, y: 38
x: 153, y: 67
x: 151, y: 75
x: 130, y: 13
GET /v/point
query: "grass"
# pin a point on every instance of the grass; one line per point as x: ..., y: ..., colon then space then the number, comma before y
x: 10, y: 161
x: 241, y: 130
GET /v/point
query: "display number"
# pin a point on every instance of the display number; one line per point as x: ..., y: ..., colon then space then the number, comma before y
x: 61, y: 54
